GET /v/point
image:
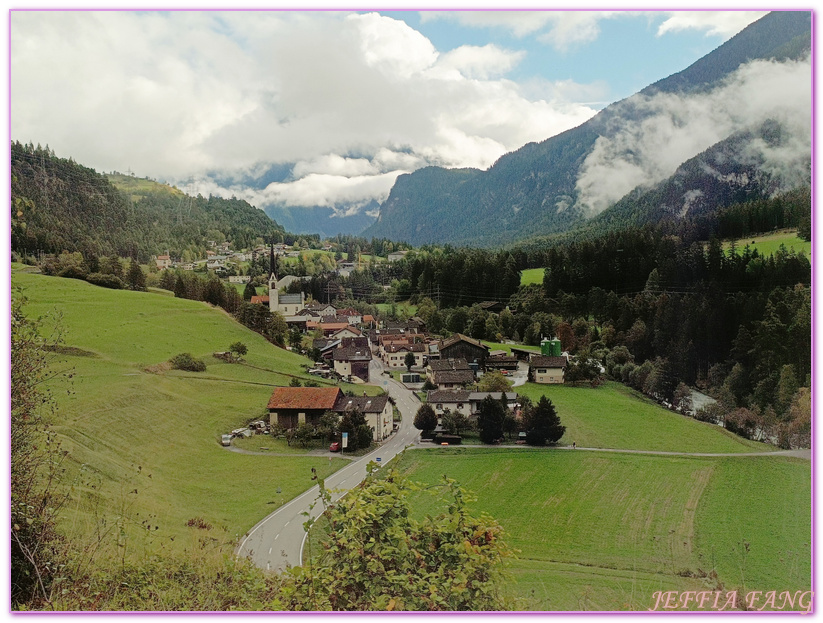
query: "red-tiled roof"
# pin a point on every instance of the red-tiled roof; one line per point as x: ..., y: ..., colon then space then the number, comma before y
x: 304, y: 398
x: 259, y: 299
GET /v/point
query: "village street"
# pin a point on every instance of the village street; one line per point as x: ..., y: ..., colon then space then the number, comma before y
x: 277, y: 541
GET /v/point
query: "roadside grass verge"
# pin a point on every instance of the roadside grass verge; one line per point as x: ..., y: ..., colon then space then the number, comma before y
x: 615, y: 416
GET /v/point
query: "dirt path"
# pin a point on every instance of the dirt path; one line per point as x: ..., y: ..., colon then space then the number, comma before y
x: 800, y: 454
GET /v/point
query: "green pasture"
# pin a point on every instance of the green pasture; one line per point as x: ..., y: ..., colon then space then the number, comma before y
x: 404, y: 309
x: 615, y: 416
x: 598, y: 531
x: 143, y: 440
x: 531, y: 275
x: 768, y: 244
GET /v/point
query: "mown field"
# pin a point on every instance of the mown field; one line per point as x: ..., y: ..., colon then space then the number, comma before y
x: 615, y: 416
x: 767, y: 244
x: 598, y: 531
x: 531, y: 275
x: 143, y: 440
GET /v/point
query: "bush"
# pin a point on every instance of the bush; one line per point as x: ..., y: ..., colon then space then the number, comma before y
x: 184, y: 361
x: 105, y: 281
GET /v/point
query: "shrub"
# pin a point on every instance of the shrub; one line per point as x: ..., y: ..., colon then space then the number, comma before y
x: 105, y: 281
x: 184, y: 361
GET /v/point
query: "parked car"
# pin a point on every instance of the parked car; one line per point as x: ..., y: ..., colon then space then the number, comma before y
x: 334, y: 447
x: 225, y: 440
x: 521, y: 437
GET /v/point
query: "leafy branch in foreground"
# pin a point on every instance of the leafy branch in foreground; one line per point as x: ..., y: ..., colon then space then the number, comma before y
x: 376, y: 556
x: 36, y: 463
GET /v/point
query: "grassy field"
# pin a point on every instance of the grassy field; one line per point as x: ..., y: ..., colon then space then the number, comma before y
x: 603, y: 532
x: 404, y: 309
x: 767, y: 244
x: 531, y: 275
x: 614, y: 416
x: 131, y: 426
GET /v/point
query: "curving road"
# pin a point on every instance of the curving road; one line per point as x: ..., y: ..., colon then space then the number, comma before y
x: 277, y: 541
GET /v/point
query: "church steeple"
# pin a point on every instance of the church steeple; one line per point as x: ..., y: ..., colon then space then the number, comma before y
x: 272, y: 268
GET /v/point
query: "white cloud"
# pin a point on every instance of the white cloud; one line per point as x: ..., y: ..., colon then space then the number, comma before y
x: 721, y: 23
x: 350, y: 101
x: 560, y: 29
x: 674, y: 129
x: 481, y: 62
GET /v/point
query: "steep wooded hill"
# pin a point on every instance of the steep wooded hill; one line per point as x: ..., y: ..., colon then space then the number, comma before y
x: 536, y: 190
x: 59, y: 205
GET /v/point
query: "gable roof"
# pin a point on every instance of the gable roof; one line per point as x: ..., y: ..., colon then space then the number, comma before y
x: 439, y: 365
x: 453, y: 376
x: 351, y: 353
x: 448, y: 395
x: 480, y: 396
x: 304, y: 398
x: 459, y: 337
x: 259, y: 299
x: 548, y: 362
x: 350, y: 329
x: 364, y: 404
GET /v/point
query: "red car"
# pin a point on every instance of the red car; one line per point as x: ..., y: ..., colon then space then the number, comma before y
x: 335, y: 447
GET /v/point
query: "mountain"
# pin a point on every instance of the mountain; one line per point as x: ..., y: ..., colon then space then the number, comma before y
x: 59, y: 205
x: 325, y: 221
x: 558, y: 184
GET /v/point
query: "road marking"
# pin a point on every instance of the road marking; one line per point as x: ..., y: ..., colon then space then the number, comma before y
x: 287, y: 523
x: 271, y: 548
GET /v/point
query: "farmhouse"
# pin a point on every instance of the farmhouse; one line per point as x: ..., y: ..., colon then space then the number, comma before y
x: 452, y: 379
x: 377, y: 409
x: 501, y: 362
x: 475, y: 398
x: 463, y: 347
x: 291, y: 406
x: 454, y: 400
x: 352, y: 361
x: 162, y: 261
x: 394, y: 354
x: 545, y: 369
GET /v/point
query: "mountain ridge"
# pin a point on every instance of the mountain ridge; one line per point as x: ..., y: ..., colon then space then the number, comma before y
x: 532, y: 191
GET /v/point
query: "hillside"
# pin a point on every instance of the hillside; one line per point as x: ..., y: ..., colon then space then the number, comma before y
x: 60, y: 205
x: 129, y: 423
x: 553, y: 186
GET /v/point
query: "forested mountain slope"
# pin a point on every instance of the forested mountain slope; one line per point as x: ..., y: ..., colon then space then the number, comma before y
x: 537, y: 189
x: 59, y: 205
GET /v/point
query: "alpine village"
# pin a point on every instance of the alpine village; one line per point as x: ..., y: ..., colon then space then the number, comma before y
x: 485, y: 400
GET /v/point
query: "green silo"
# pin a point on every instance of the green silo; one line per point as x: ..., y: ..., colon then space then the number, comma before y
x: 556, y: 349
x: 546, y: 347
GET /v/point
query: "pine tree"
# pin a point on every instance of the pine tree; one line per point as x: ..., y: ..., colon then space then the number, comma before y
x: 490, y: 419
x: 135, y: 277
x: 249, y: 291
x: 543, y: 424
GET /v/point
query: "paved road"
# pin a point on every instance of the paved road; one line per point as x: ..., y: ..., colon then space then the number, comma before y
x: 278, y: 540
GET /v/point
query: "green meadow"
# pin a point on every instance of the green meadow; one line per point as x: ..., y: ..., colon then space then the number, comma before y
x: 767, y: 244
x: 531, y: 275
x: 615, y: 416
x: 143, y: 440
x: 598, y: 531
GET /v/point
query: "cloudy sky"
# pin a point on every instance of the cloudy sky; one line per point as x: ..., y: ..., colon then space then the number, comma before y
x: 327, y: 108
